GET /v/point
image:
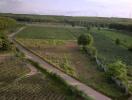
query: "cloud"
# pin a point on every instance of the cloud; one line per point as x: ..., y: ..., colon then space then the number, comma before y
x: 7, y: 5
x: 120, y: 8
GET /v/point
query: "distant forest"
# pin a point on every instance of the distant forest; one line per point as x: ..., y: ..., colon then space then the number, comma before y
x: 112, y: 23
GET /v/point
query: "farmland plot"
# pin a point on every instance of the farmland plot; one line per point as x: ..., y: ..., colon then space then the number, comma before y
x: 15, y: 85
x: 60, y: 33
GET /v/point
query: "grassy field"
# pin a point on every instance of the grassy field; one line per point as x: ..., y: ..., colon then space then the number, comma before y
x: 85, y: 70
x: 109, y: 52
x: 113, y: 34
x: 107, y: 48
x: 60, y: 33
x: 14, y: 85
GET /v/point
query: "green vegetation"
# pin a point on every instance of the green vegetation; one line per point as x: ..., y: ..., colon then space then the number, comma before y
x: 51, y: 44
x: 60, y: 33
x: 117, y: 41
x: 5, y: 25
x: 130, y: 48
x: 125, y: 40
x: 118, y: 70
x: 85, y: 40
x: 78, y: 21
x: 4, y: 43
x: 85, y: 69
x: 62, y: 62
x: 108, y: 51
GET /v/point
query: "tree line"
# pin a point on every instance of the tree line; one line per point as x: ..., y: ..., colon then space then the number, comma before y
x: 120, y: 26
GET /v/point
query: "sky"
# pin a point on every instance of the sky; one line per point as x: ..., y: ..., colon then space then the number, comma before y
x: 100, y: 8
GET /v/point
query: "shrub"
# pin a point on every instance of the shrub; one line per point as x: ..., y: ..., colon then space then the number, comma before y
x: 117, y: 70
x: 92, y: 51
x: 85, y: 40
x: 117, y: 41
x: 130, y: 48
x: 4, y: 43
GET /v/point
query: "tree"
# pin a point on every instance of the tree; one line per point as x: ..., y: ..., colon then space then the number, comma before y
x: 85, y: 40
x: 117, y: 70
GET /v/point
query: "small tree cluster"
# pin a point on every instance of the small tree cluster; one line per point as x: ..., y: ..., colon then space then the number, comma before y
x: 4, y: 43
x: 121, y: 26
x: 85, y: 40
x: 117, y: 70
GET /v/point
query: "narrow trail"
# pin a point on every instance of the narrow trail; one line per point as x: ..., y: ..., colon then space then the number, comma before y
x: 13, y: 34
x: 33, y: 71
x: 71, y: 81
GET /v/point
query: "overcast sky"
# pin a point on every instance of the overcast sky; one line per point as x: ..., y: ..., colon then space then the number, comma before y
x: 106, y: 8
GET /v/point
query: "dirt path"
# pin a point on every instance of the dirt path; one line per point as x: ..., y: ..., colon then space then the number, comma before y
x: 71, y: 81
x: 33, y: 70
x: 13, y: 34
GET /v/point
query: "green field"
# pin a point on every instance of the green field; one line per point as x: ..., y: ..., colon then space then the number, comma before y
x: 108, y: 50
x: 56, y: 50
x: 60, y: 33
x: 113, y: 34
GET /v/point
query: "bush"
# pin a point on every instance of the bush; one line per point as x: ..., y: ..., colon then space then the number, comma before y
x: 4, y: 43
x: 92, y: 51
x: 117, y: 70
x: 130, y: 48
x: 85, y: 40
x: 117, y: 41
